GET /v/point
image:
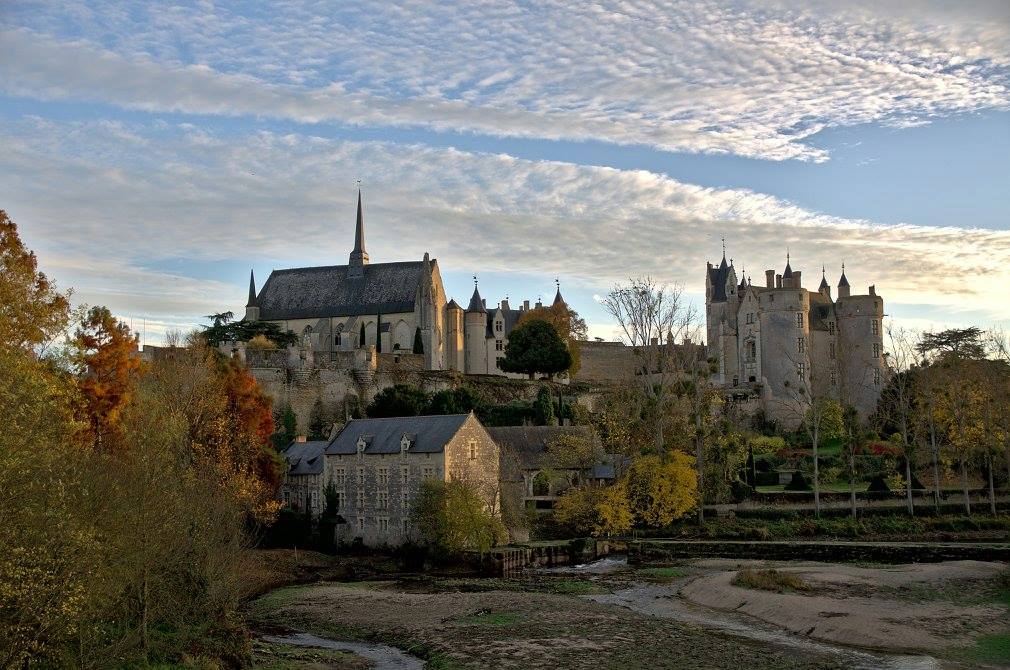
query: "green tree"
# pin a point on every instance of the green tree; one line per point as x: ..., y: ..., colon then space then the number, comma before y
x: 543, y: 406
x: 320, y: 421
x: 460, y: 400
x: 661, y: 489
x: 418, y: 343
x: 361, y: 336
x: 454, y: 516
x: 570, y: 326
x: 287, y: 427
x: 398, y: 400
x: 535, y: 346
x: 378, y: 334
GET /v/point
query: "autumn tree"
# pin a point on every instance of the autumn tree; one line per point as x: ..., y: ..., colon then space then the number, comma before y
x: 105, y: 353
x: 598, y: 511
x: 571, y: 327
x: 454, y: 516
x: 33, y: 313
x: 661, y: 489
x: 535, y: 347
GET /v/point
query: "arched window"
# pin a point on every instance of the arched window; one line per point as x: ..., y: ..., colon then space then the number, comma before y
x: 307, y: 337
x: 541, y: 485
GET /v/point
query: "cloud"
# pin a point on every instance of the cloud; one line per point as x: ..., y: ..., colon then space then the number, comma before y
x: 82, y: 191
x: 754, y: 79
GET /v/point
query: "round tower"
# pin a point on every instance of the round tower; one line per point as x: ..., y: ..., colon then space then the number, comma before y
x: 475, y: 334
x: 785, y: 349
x: 454, y: 351
x: 860, y: 346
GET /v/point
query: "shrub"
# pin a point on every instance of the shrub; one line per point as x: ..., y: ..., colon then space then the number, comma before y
x: 770, y: 580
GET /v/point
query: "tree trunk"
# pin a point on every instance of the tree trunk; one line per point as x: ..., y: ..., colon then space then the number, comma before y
x: 964, y: 487
x: 992, y: 487
x: 699, y: 461
x: 936, y: 468
x: 908, y: 485
x: 143, y: 616
x: 817, y: 480
x: 852, y: 482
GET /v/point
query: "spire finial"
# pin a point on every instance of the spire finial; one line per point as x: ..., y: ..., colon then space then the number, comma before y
x: 823, y: 272
x: 359, y: 256
x: 724, y: 247
x: 475, y: 281
x: 252, y: 290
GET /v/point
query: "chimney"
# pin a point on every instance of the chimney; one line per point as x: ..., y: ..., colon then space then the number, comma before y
x: 483, y: 303
x: 796, y: 279
x: 778, y: 281
x: 526, y: 305
x: 505, y: 305
x: 300, y: 438
x: 873, y: 289
x: 769, y: 278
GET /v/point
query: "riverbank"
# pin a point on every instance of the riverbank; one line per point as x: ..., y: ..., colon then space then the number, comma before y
x: 609, y: 615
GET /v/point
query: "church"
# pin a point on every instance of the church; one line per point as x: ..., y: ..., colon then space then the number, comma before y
x: 397, y: 307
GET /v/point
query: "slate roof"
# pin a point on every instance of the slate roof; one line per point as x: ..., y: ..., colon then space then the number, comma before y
x: 427, y: 434
x: 718, y: 277
x: 307, y: 293
x: 476, y: 304
x: 529, y: 443
x: 305, y: 458
x: 820, y: 311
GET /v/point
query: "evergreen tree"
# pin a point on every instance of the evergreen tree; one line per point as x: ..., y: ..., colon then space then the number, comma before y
x: 361, y: 337
x: 418, y: 344
x: 398, y: 400
x: 535, y: 346
x: 544, y: 408
x: 287, y: 427
x: 378, y: 334
x: 320, y: 421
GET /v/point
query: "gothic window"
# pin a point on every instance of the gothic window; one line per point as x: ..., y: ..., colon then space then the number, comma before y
x: 383, y: 476
x: 799, y: 319
x: 383, y: 524
x: 831, y: 327
x: 875, y: 326
x: 499, y: 345
x: 801, y: 344
x: 876, y: 377
x: 307, y: 337
x: 876, y: 350
x: 801, y: 369
x: 751, y: 351
x: 831, y: 350
x: 499, y: 326
x: 834, y: 378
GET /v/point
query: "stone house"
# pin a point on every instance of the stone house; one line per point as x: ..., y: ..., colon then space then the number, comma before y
x: 377, y: 466
x: 529, y: 477
x: 302, y: 489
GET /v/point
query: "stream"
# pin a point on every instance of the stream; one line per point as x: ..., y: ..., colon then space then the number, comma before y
x: 384, y: 656
x: 665, y: 602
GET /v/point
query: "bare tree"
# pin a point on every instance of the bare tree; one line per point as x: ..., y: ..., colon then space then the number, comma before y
x: 897, y: 403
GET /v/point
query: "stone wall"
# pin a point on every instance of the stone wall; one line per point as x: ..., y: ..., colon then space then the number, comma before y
x: 605, y: 362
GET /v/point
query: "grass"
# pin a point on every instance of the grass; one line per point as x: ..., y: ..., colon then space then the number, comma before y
x: 990, y: 649
x: 770, y: 580
x: 668, y: 574
x: 270, y: 656
x: 833, y: 487
x: 491, y: 619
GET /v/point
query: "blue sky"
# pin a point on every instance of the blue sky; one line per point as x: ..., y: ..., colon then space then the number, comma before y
x: 154, y: 153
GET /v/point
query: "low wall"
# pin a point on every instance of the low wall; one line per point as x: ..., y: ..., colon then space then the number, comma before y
x: 658, y: 552
x: 513, y: 561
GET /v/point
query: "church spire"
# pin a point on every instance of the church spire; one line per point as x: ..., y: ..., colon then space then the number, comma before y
x: 476, y: 304
x: 252, y: 290
x: 359, y: 257
x: 558, y: 300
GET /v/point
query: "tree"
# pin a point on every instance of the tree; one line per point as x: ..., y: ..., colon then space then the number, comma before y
x: 963, y: 343
x: 896, y: 406
x: 378, y: 334
x: 570, y: 326
x: 224, y: 329
x: 460, y: 400
x: 661, y: 489
x: 543, y: 407
x: 286, y: 427
x: 453, y: 516
x: 823, y: 421
x: 418, y: 342
x: 595, y: 510
x: 105, y: 353
x: 653, y: 317
x: 398, y: 400
x: 33, y: 313
x: 533, y: 347
x: 320, y: 421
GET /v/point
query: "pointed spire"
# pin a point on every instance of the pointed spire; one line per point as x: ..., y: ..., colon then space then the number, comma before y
x: 252, y: 290
x: 476, y: 304
x: 788, y: 272
x: 842, y: 281
x: 558, y: 300
x: 743, y: 279
x: 359, y: 256
x: 824, y: 281
x: 723, y: 266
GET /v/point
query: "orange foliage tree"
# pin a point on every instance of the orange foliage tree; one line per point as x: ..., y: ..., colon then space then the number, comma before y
x: 105, y: 352
x: 570, y: 326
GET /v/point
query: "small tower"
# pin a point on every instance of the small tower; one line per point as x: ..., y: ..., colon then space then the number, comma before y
x: 454, y: 337
x: 843, y: 284
x: 475, y: 334
x: 252, y: 310
x: 787, y: 274
x: 824, y: 288
x: 558, y: 300
x: 359, y: 257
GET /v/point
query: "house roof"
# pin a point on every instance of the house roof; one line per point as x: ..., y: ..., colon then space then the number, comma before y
x: 305, y: 293
x: 476, y: 304
x: 305, y: 458
x: 427, y: 434
x: 529, y: 443
x: 509, y: 316
x: 820, y: 311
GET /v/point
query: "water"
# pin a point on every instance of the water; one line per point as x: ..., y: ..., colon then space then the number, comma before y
x: 384, y: 656
x: 665, y: 602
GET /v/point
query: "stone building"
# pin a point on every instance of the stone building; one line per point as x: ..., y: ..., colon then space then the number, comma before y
x: 302, y: 489
x: 788, y: 344
x: 377, y: 466
x: 391, y: 307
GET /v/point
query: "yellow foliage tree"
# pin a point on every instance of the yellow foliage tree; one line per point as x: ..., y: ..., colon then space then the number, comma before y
x: 661, y: 489
x: 594, y: 510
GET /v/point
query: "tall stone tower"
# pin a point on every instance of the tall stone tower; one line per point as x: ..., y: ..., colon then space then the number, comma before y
x: 475, y: 334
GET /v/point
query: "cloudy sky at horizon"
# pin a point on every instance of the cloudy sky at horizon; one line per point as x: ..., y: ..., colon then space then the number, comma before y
x: 155, y: 152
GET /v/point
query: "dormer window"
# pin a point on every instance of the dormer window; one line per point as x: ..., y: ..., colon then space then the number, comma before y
x: 499, y: 326
x: 404, y: 444
x: 361, y: 445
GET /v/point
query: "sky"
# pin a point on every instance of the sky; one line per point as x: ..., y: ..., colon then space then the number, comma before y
x: 153, y: 153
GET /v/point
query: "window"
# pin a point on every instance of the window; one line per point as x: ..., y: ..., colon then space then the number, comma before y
x: 751, y: 351
x: 473, y: 450
x: 361, y: 476
x: 801, y: 369
x: 361, y: 523
x: 498, y: 326
x: 404, y: 474
x: 750, y: 317
x: 831, y: 327
x: 314, y: 498
x: 339, y: 476
x: 876, y: 377
x: 287, y: 497
x: 383, y: 524
x: 801, y: 344
x: 383, y: 476
x: 799, y: 319
x: 382, y: 500
x: 361, y: 498
x: 498, y: 345
x: 875, y: 327
x: 336, y: 338
x: 876, y: 350
x: 428, y: 473
x: 406, y: 526
x: 339, y: 500
x: 834, y: 378
x: 831, y: 350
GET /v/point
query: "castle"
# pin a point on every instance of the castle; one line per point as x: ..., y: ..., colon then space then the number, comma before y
x: 789, y: 345
x: 396, y: 307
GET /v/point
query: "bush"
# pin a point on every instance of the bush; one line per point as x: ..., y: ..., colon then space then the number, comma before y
x: 798, y: 483
x: 770, y: 580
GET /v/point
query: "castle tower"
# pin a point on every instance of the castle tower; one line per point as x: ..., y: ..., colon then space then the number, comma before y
x: 824, y: 288
x: 843, y: 284
x: 860, y: 348
x: 558, y: 300
x: 252, y: 310
x: 475, y: 334
x: 455, y: 339
x: 359, y: 257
